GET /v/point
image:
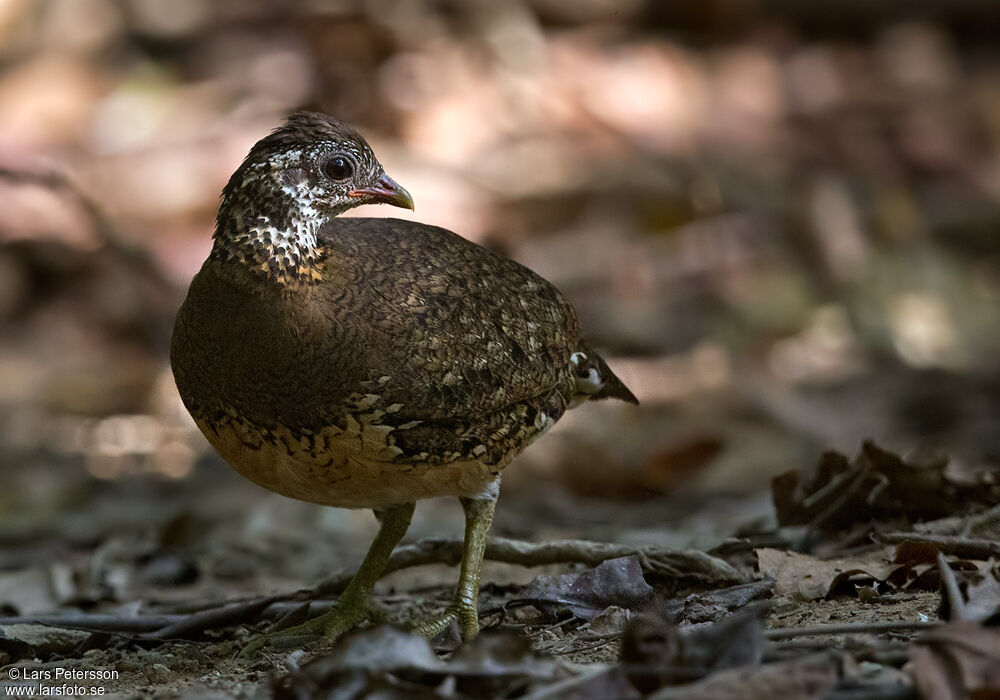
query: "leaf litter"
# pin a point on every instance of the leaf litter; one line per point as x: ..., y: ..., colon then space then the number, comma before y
x: 858, y: 619
x: 586, y: 594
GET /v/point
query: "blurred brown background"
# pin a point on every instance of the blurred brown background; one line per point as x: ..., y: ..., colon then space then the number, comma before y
x: 778, y: 220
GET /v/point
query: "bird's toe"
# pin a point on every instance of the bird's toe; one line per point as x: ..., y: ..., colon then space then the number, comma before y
x: 466, y: 616
x: 332, y: 624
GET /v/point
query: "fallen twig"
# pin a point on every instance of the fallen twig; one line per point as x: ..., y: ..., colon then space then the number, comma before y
x: 172, y: 626
x: 848, y: 628
x: 685, y: 564
x: 225, y: 616
x: 858, y: 478
x: 956, y: 606
x: 965, y: 547
x: 98, y: 623
x: 888, y: 652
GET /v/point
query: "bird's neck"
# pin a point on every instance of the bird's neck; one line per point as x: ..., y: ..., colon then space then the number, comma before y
x: 278, y: 242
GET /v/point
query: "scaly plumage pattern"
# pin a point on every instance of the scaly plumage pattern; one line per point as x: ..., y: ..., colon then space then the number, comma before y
x: 367, y: 362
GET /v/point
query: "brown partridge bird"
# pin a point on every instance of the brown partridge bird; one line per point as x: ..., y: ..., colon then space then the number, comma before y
x: 369, y: 363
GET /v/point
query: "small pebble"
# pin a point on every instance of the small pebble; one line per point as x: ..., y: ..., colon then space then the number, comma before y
x: 158, y: 673
x: 867, y: 594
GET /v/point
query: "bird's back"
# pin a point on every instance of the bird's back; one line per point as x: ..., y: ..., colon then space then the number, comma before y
x: 463, y: 331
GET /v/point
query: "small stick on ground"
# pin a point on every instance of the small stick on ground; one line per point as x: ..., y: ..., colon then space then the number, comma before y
x: 171, y: 626
x: 956, y: 606
x: 964, y: 547
x: 676, y: 563
x: 834, y: 507
x: 858, y: 628
x: 226, y: 616
x: 111, y: 624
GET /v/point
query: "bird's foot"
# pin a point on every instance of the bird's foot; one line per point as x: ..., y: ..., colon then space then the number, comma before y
x: 466, y: 615
x: 339, y: 620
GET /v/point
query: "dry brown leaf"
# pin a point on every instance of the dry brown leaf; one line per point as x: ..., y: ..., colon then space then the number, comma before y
x: 368, y: 661
x: 876, y: 484
x: 586, y: 594
x: 960, y: 660
x: 804, y: 577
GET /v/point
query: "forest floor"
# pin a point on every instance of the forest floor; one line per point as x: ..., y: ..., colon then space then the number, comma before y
x: 153, y: 588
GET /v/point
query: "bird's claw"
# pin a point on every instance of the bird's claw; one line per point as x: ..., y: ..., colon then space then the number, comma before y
x: 341, y: 619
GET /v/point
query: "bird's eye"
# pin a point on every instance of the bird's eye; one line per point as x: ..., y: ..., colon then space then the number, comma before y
x: 338, y: 168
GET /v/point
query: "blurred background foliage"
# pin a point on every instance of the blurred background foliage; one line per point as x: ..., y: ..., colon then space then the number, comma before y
x: 778, y: 219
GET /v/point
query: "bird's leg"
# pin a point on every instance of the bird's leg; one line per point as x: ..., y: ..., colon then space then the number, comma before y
x: 464, y: 607
x: 351, y: 608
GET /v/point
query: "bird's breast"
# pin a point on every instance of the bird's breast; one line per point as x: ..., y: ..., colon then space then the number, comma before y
x: 343, y: 468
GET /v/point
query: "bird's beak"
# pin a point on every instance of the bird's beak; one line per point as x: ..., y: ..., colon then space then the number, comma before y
x: 385, y: 191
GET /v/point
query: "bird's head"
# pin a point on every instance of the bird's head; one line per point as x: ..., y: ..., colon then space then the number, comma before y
x: 307, y: 170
